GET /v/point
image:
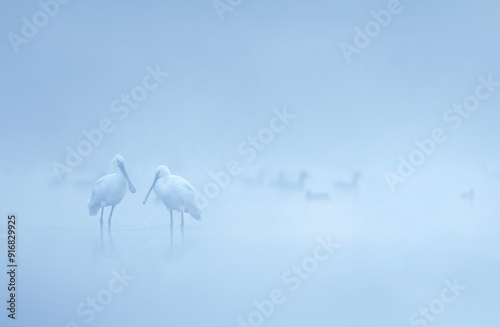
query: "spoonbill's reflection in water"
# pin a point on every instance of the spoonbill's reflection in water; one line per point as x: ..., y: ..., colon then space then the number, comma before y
x: 174, y: 244
x: 110, y: 237
x: 110, y: 190
x: 176, y: 193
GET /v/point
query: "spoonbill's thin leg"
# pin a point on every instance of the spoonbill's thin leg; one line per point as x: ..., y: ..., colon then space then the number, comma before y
x: 102, y: 212
x: 182, y: 217
x: 171, y: 219
x: 110, y: 214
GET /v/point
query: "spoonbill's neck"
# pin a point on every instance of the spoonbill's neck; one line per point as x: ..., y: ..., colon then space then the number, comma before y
x: 118, y: 172
x: 163, y: 179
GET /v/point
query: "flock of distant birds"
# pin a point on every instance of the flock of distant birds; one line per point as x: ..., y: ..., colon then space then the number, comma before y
x: 299, y: 183
x: 177, y: 194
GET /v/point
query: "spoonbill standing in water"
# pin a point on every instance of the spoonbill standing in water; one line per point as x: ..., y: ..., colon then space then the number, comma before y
x: 176, y: 193
x: 110, y: 190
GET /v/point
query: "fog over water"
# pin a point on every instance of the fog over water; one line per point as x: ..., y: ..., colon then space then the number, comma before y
x: 338, y: 189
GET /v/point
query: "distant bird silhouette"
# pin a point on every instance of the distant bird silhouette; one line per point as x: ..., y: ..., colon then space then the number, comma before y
x: 467, y: 194
x: 176, y: 193
x: 254, y: 179
x: 285, y: 183
x: 110, y: 190
x: 353, y: 184
x: 317, y: 196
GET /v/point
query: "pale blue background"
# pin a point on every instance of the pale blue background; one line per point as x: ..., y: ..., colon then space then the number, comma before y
x: 225, y: 79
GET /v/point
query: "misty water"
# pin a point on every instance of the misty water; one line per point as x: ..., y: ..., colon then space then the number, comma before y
x: 264, y: 115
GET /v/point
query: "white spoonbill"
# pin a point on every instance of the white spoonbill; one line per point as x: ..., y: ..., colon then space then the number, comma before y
x: 110, y: 189
x: 176, y: 193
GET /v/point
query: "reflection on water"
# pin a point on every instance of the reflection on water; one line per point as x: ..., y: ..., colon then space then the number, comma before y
x: 172, y: 242
x: 143, y: 243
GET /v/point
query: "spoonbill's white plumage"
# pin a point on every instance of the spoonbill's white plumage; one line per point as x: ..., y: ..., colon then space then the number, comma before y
x: 110, y: 190
x: 176, y: 193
